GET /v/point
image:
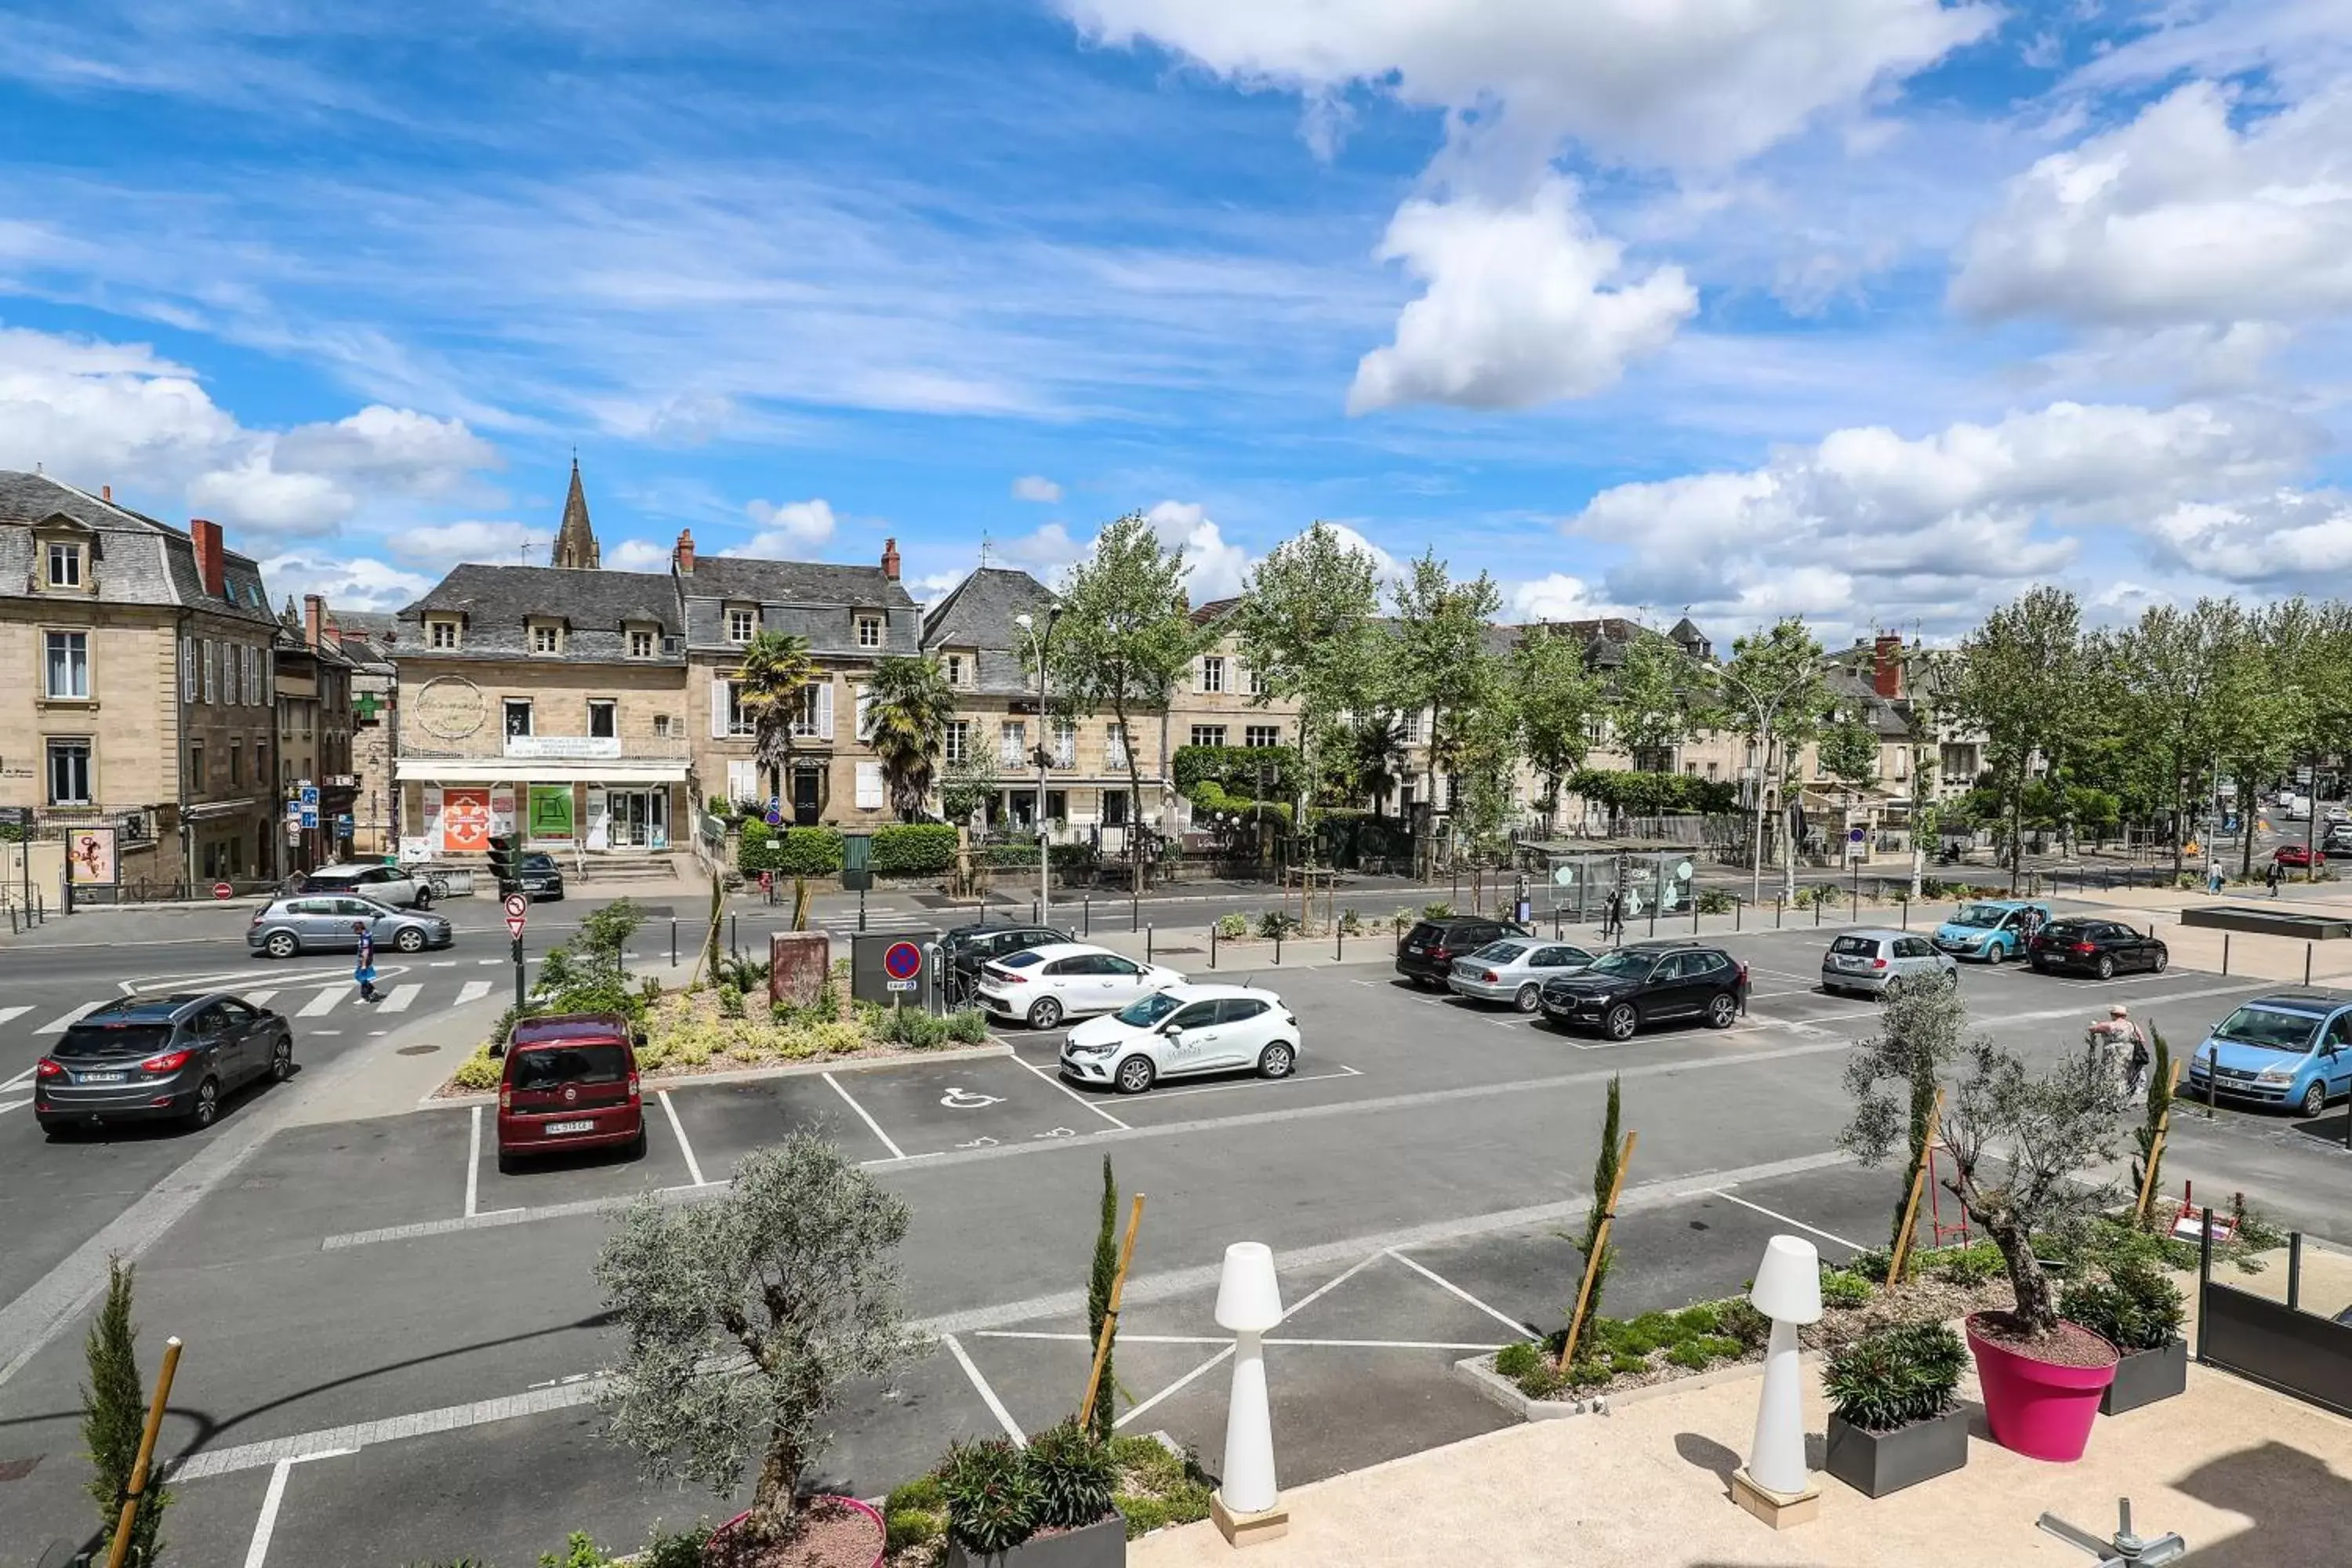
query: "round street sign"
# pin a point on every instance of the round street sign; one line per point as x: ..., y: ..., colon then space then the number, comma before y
x: 904, y: 961
x: 222, y: 889
x: 518, y: 907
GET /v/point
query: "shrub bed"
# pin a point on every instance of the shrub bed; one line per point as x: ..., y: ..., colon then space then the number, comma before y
x: 913, y: 848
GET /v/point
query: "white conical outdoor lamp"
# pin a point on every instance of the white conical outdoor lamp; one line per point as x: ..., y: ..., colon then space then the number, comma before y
x: 1247, y: 1505
x: 1774, y: 1486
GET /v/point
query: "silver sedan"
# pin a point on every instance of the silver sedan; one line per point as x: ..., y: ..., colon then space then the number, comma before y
x: 1514, y: 970
x: 1867, y: 961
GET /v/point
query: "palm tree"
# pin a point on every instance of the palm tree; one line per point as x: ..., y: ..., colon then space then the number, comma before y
x: 775, y: 675
x: 1376, y: 751
x: 906, y: 713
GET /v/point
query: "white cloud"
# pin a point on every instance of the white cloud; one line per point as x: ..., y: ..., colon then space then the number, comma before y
x: 1870, y: 525
x: 1213, y: 569
x: 348, y: 583
x: 792, y: 526
x: 255, y: 494
x: 1701, y: 82
x: 1519, y: 310
x: 638, y: 555
x: 414, y: 452
x: 2178, y: 217
x: 2281, y: 541
x: 497, y: 543
x: 1036, y: 487
x: 1557, y: 596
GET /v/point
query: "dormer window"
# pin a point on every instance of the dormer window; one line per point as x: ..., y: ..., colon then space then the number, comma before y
x: 741, y: 624
x: 958, y: 669
x: 65, y: 566
x: 869, y: 631
x: 441, y: 631
x: 642, y: 641
x: 547, y: 636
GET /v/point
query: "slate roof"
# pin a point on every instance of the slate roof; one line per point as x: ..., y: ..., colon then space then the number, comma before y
x: 140, y: 561
x: 811, y: 599
x: 498, y: 602
x: 978, y: 613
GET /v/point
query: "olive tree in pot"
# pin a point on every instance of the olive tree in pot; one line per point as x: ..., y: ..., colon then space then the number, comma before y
x: 2140, y: 1309
x: 1895, y: 1417
x: 2021, y: 1145
x: 743, y: 1318
x: 1047, y: 1506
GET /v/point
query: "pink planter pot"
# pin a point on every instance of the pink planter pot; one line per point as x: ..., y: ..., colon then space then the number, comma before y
x: 2042, y: 1409
x: 724, y: 1530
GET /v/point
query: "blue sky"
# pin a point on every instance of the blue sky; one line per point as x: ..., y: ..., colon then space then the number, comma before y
x: 1874, y: 309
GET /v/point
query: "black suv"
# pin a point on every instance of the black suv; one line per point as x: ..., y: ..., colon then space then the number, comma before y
x: 1648, y: 983
x: 1427, y: 956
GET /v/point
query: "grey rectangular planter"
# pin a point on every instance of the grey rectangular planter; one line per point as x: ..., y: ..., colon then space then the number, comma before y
x: 1099, y: 1545
x: 1878, y: 1463
x: 2143, y: 1377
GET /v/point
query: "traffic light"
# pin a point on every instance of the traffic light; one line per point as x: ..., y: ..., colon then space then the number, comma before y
x: 506, y: 862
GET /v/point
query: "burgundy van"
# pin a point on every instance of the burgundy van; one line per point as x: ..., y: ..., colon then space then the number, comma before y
x: 571, y: 1082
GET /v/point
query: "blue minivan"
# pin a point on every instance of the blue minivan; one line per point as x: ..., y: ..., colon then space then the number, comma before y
x: 1993, y: 930
x: 2291, y: 1048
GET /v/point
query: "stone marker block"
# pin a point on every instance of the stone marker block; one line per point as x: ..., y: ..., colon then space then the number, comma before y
x: 798, y: 964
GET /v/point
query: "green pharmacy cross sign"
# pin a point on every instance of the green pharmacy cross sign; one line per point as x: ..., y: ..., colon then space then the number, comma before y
x: 551, y: 811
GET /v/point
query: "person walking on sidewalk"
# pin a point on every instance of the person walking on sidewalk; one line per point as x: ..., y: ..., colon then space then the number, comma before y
x: 1612, y: 916
x: 364, y: 966
x: 2124, y: 1048
x: 2271, y: 877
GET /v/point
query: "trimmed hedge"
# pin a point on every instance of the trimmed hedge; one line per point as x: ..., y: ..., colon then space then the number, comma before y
x: 1235, y: 768
x: 1209, y: 797
x: 799, y: 852
x: 914, y: 848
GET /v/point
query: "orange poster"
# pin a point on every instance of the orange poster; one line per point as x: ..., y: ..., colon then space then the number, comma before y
x: 464, y: 821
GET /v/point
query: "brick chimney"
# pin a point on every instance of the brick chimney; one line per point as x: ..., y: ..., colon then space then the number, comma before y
x: 890, y: 559
x: 314, y: 610
x: 212, y: 562
x: 1886, y: 665
x: 681, y: 558
x: 106, y: 494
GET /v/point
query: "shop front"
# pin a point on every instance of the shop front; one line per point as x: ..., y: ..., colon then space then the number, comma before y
x: 454, y: 809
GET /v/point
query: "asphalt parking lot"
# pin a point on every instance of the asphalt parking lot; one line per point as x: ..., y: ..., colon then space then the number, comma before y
x: 392, y: 1342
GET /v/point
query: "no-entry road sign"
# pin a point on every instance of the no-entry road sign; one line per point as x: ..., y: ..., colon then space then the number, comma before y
x: 518, y: 913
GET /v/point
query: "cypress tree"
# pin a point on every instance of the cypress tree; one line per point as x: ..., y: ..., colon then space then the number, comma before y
x: 114, y: 1417
x: 2160, y: 1100
x: 1106, y: 1271
x: 1605, y: 1176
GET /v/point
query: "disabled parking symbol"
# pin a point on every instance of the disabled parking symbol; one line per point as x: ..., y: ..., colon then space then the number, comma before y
x: 960, y: 1098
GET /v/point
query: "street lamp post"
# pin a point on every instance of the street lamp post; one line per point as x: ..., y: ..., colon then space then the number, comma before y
x: 1767, y: 712
x: 1042, y: 643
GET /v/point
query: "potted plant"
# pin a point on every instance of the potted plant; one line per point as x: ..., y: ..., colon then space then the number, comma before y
x: 2138, y: 1307
x: 1047, y: 1506
x: 1895, y: 1416
x: 2020, y: 1145
x: 743, y: 1317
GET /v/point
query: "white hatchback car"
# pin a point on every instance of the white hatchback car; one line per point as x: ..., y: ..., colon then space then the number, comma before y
x: 1063, y: 979
x: 1180, y: 1030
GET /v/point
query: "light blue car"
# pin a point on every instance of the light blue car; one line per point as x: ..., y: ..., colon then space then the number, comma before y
x: 2292, y: 1048
x: 1992, y: 930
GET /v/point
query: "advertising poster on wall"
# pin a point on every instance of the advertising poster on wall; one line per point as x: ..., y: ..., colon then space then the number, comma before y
x: 551, y: 812
x: 600, y: 821
x: 89, y: 856
x: 464, y: 821
x: 502, y: 810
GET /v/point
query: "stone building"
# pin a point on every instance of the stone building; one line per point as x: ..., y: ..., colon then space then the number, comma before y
x: 367, y: 640
x: 314, y: 736
x: 140, y: 726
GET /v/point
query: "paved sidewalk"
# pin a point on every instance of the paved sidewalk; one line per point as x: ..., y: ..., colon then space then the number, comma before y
x: 2248, y: 1477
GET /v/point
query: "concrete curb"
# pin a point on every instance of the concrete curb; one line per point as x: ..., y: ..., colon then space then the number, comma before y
x: 653, y: 1083
x: 1478, y: 1372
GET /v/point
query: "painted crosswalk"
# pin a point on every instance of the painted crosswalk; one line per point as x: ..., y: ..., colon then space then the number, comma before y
x: 8, y: 1012
x: 472, y: 991
x: 398, y: 999
x: 321, y: 1004
x: 60, y: 1025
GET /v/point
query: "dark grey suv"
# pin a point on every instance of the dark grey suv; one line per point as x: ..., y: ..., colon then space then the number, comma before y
x: 159, y: 1058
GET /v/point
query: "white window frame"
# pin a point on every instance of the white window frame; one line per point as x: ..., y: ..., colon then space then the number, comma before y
x: 1250, y: 684
x: 68, y: 556
x: 52, y: 745
x: 742, y: 624
x: 187, y: 669
x: 661, y: 727
x: 955, y: 745
x: 958, y: 671
x: 814, y: 720
x: 546, y: 637
x: 643, y: 644
x: 75, y: 649
x: 1115, y: 746
x: 740, y: 724
x: 1261, y: 736
x: 1065, y: 744
x: 212, y: 667
x: 1212, y: 673
x: 1012, y: 744
x: 869, y: 631
x: 611, y: 709
x: 1216, y: 730
x: 506, y: 706
x: 441, y: 631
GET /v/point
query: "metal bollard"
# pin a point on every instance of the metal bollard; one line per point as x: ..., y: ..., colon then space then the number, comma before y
x: 1738, y: 909
x: 1086, y: 916
x: 673, y: 944
x: 1653, y: 920
x: 1906, y: 911
x: 2294, y: 1271
x: 1277, y: 947
x: 1034, y: 915
x: 1694, y: 917
x: 2307, y: 964
x: 2225, y: 952
x: 1212, y: 947
x: 1339, y: 942
x: 734, y: 940
x: 1146, y: 945
x: 1817, y: 911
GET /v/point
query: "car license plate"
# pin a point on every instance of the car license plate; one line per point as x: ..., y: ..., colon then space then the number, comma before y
x: 102, y: 1078
x: 1849, y: 963
x: 555, y: 1127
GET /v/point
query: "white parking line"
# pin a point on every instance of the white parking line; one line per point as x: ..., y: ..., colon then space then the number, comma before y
x: 61, y: 1025
x: 987, y: 1395
x: 321, y: 1004
x: 1256, y: 1083
x: 1784, y: 1219
x: 473, y: 1164
x: 258, y: 998
x: 693, y: 1166
x: 472, y: 991
x: 442, y: 964
x: 1138, y: 1409
x: 896, y: 1152
x: 1227, y: 1339
x: 1449, y: 1287
x: 8, y: 1012
x: 401, y: 995
x: 267, y: 1525
x: 7, y: 1105
x: 1074, y: 1094
x: 1294, y: 1310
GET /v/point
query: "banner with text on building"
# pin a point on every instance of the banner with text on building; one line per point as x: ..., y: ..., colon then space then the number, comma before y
x: 464, y: 821
x: 550, y: 812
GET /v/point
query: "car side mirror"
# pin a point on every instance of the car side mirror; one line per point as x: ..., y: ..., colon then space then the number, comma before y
x: 1170, y: 1030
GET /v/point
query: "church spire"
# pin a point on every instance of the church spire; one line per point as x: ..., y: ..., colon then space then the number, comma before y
x: 575, y: 542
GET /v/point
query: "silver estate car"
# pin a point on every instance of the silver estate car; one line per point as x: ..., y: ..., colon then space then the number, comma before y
x: 1865, y: 961
x: 1514, y: 970
x: 327, y: 923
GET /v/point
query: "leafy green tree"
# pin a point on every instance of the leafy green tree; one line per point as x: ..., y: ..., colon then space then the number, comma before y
x: 2022, y: 682
x: 970, y: 784
x: 1374, y: 755
x: 1305, y: 626
x: 113, y: 1420
x: 1849, y: 752
x: 2275, y: 692
x: 1653, y: 696
x: 745, y: 1316
x: 2167, y: 673
x: 1560, y: 704
x: 1099, y: 1286
x: 1605, y: 1176
x: 1125, y: 638
x: 1919, y: 1036
x: 906, y: 712
x: 775, y: 675
x: 1441, y: 661
x: 1769, y: 690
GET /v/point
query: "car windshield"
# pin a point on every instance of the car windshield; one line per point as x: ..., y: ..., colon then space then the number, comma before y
x: 553, y: 1067
x: 1022, y: 960
x: 538, y: 862
x: 113, y: 1040
x: 1501, y: 951
x: 2067, y: 931
x: 2269, y: 1027
x: 1856, y: 946
x: 1150, y: 1010
x: 1978, y: 917
x: 1625, y: 964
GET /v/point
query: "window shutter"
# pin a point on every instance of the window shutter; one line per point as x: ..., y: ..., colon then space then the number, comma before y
x: 719, y: 714
x: 1199, y: 678
x: 743, y: 780
x: 869, y: 787
x: 824, y: 711
x: 865, y: 714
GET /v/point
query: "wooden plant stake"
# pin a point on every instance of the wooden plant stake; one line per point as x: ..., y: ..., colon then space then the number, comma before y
x: 138, y: 1486
x: 1911, y: 1204
x: 1599, y: 1250
x: 2156, y: 1146
x: 1111, y: 1314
